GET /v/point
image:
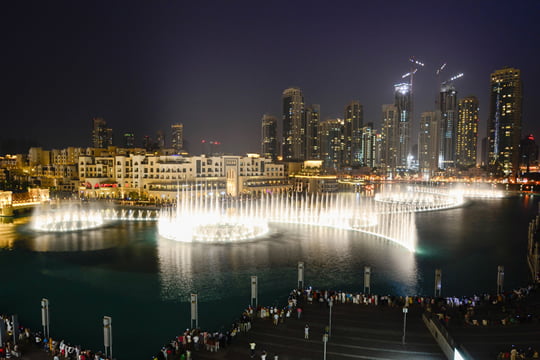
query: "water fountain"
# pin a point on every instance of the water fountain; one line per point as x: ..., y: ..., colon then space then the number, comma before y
x: 206, y: 217
x: 67, y: 217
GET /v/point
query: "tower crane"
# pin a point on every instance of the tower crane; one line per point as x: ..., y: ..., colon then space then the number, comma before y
x: 455, y: 77
x: 416, y: 64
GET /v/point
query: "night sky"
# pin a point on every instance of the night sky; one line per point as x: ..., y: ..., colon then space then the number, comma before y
x: 218, y: 66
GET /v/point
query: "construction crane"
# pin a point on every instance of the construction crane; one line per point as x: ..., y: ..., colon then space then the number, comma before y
x: 455, y: 77
x: 441, y: 68
x: 416, y: 64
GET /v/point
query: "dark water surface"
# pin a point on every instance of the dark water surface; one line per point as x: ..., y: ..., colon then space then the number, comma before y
x: 143, y: 282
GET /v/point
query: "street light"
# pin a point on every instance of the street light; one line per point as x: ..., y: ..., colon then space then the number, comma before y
x: 405, y: 310
x: 45, y: 317
x: 330, y: 303
x: 325, y: 340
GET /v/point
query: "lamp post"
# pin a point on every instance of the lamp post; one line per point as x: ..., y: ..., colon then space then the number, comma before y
x: 330, y: 303
x: 405, y: 310
x: 107, y: 334
x: 45, y: 317
x: 325, y: 340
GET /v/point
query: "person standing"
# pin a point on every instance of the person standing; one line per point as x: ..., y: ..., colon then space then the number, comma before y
x: 306, y: 332
x: 252, y: 345
x: 263, y: 355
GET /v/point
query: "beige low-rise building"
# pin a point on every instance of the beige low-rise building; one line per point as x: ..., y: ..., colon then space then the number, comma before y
x: 161, y: 176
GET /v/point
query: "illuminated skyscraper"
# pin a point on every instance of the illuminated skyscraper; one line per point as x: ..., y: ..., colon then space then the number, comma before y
x: 428, y: 144
x: 269, y: 142
x: 354, y: 120
x: 129, y: 140
x: 368, y: 153
x: 467, y: 132
x: 102, y: 137
x: 177, y: 137
x: 389, y: 137
x: 403, y: 102
x: 504, y: 123
x: 448, y: 125
x: 313, y: 118
x: 331, y: 133
x: 294, y: 125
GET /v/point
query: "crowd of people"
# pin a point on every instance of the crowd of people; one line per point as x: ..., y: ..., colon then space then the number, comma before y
x: 516, y: 353
x: 16, y: 340
x: 502, y: 309
x: 507, y: 308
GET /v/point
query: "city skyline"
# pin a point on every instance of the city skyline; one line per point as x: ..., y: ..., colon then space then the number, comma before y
x: 217, y: 68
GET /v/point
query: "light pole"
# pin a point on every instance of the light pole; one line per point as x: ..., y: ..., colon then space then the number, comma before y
x: 325, y: 340
x: 45, y: 317
x: 405, y: 310
x: 107, y: 334
x: 330, y: 317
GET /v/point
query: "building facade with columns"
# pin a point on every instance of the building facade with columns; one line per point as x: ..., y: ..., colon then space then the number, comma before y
x: 161, y: 176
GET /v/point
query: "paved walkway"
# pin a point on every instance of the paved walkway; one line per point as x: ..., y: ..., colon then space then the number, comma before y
x: 358, y: 332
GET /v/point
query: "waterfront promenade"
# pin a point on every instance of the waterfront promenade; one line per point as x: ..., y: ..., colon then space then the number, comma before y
x: 358, y: 332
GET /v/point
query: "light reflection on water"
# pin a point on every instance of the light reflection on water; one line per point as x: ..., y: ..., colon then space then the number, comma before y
x: 332, y: 257
x: 127, y: 269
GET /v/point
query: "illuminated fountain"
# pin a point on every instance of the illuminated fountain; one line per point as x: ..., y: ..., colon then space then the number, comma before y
x: 423, y: 198
x: 206, y: 217
x: 68, y: 217
x: 75, y: 216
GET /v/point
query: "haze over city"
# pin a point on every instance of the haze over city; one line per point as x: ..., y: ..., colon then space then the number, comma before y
x: 217, y: 67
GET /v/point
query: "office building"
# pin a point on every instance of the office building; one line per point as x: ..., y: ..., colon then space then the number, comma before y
x: 177, y: 137
x: 467, y: 132
x: 313, y: 118
x: 102, y: 137
x: 448, y: 125
x: 504, y: 122
x: 403, y: 103
x: 389, y: 138
x: 331, y: 133
x: 428, y: 144
x: 129, y: 140
x: 294, y: 125
x: 354, y: 121
x: 269, y: 141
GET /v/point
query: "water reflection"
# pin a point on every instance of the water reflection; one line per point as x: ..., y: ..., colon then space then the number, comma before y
x: 16, y: 233
x: 333, y: 258
x: 87, y: 240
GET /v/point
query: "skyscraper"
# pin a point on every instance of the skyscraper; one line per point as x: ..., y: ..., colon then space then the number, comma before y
x: 389, y: 138
x: 368, y: 146
x: 129, y: 140
x: 528, y: 153
x: 294, y: 125
x: 177, y: 137
x: 313, y: 146
x: 504, y: 123
x: 269, y: 142
x: 428, y: 144
x: 448, y: 124
x: 331, y: 133
x: 403, y: 103
x: 160, y: 140
x: 354, y: 121
x: 467, y: 132
x: 102, y: 136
